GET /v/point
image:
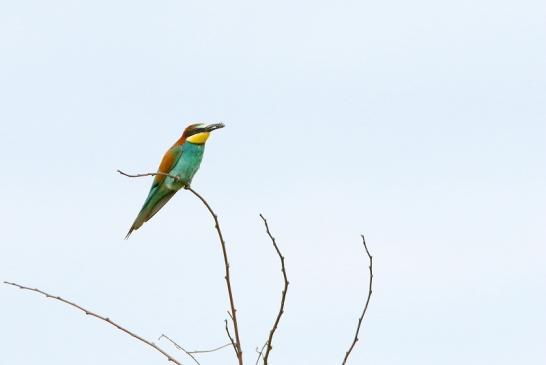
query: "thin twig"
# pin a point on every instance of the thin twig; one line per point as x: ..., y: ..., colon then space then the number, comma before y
x: 180, y: 348
x: 191, y: 353
x: 233, y: 314
x: 260, y: 352
x: 105, y: 319
x: 177, y: 178
x: 231, y: 338
x: 355, y: 340
x: 212, y: 350
x: 283, y: 296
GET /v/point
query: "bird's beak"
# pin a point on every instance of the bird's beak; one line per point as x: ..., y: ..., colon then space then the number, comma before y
x: 212, y: 127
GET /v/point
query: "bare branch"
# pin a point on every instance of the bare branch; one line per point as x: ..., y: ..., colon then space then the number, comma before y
x: 283, y: 296
x: 105, y: 319
x: 233, y: 314
x: 355, y: 340
x: 192, y: 353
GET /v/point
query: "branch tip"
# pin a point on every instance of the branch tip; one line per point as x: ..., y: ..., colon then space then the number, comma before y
x: 361, y: 318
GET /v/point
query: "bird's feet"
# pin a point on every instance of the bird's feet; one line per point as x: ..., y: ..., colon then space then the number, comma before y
x: 187, y: 186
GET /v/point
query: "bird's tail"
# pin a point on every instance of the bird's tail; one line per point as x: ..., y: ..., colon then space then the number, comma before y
x: 156, y: 199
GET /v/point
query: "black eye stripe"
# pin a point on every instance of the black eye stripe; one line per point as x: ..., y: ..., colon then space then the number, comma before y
x: 196, y: 131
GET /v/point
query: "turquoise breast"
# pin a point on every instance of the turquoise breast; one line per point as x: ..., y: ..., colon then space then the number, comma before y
x: 187, y: 165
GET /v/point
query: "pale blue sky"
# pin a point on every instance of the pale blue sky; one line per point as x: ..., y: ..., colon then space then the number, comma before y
x: 421, y: 124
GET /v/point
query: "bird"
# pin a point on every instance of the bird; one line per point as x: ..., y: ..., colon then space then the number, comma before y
x: 180, y: 162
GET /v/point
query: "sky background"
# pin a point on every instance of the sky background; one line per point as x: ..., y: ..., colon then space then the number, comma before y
x: 421, y: 124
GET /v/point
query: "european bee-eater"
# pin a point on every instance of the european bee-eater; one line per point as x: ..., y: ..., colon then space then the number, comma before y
x: 181, y: 160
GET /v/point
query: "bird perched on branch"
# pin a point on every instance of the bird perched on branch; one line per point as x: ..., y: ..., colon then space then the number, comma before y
x: 182, y: 161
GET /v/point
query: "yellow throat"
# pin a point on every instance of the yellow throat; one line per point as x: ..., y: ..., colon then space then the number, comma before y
x: 198, y: 138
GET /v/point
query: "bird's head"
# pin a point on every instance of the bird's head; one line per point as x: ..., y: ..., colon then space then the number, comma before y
x: 199, y: 133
